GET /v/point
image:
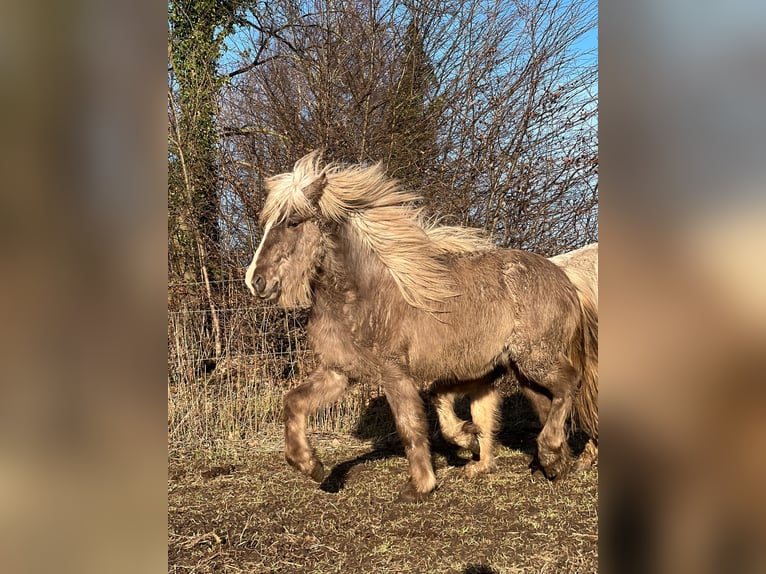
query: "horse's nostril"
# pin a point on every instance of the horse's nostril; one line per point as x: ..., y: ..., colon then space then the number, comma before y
x: 260, y: 283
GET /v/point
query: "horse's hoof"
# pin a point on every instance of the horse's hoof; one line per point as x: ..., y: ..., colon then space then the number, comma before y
x: 311, y: 468
x: 555, y: 462
x: 409, y: 494
x: 469, y: 428
x: 538, y: 475
x: 317, y: 473
x: 556, y: 472
x: 587, y: 459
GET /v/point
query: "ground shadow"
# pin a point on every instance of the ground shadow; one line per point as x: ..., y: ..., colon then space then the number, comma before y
x: 519, y: 426
x: 377, y: 425
x: 479, y: 569
x: 336, y: 480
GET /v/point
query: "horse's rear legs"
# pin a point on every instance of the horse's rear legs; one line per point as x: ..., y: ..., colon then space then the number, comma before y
x: 477, y: 435
x: 541, y: 403
x: 485, y: 406
x: 552, y: 447
x: 322, y: 388
x: 454, y: 429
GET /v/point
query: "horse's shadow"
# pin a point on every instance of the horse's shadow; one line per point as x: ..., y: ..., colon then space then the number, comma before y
x: 518, y: 431
x: 377, y: 426
x: 336, y: 480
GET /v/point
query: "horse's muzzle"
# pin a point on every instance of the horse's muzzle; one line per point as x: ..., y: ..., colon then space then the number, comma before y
x: 264, y: 290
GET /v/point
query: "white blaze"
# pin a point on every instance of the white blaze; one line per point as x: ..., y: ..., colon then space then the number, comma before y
x: 251, y: 268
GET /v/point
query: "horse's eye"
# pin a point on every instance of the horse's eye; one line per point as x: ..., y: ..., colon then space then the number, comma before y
x: 291, y: 223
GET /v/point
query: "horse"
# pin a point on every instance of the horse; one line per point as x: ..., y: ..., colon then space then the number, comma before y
x: 409, y: 305
x: 581, y: 266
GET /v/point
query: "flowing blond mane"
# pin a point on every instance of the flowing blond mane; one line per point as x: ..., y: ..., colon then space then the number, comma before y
x: 385, y: 219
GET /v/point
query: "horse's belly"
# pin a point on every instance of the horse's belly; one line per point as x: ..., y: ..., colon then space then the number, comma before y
x: 461, y: 362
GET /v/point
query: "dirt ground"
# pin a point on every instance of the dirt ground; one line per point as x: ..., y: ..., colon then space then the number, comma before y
x: 243, y: 509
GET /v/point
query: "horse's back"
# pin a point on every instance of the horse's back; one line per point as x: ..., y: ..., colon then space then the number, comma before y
x: 511, y: 303
x: 506, y: 286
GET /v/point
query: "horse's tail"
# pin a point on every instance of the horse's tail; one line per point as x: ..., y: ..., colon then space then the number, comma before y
x: 586, y: 400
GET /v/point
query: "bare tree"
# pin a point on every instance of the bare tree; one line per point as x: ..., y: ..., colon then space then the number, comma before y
x: 487, y: 108
x: 197, y: 32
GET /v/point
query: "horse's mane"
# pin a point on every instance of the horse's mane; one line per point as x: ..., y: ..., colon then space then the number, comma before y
x: 384, y: 218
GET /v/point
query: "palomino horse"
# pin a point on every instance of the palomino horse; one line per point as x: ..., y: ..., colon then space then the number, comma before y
x: 407, y: 305
x: 581, y: 266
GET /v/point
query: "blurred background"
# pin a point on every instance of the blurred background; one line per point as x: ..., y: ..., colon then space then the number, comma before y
x: 87, y: 150
x: 683, y: 315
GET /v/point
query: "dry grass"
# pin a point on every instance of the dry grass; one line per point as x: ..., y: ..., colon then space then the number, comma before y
x: 246, y: 511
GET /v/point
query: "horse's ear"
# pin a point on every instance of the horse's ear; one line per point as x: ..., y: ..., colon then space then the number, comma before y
x: 314, y: 190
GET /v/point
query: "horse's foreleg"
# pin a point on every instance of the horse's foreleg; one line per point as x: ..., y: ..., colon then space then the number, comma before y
x: 485, y: 405
x: 323, y: 387
x: 454, y: 429
x: 410, y: 417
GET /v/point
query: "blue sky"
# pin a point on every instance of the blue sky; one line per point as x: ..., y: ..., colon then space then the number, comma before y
x: 588, y: 44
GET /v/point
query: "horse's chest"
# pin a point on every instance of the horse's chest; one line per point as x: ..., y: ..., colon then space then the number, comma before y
x: 340, y: 344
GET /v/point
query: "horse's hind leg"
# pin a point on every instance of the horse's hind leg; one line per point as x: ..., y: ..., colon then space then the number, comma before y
x: 454, y: 429
x: 552, y: 448
x: 323, y: 387
x: 485, y: 405
x: 540, y: 402
x: 410, y: 418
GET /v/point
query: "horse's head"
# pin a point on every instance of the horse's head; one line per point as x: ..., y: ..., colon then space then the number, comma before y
x: 291, y: 247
